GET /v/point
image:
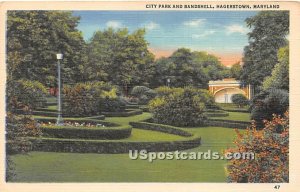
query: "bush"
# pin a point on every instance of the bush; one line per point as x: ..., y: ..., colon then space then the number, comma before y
x: 25, y: 93
x: 143, y: 93
x: 240, y: 100
x: 18, y: 129
x: 91, y: 98
x: 271, y: 148
x: 267, y: 103
x: 183, y: 107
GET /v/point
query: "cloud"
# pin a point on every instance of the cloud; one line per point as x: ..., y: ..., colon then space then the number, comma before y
x: 114, y: 24
x: 194, y: 22
x: 235, y: 28
x: 204, y: 34
x: 152, y: 25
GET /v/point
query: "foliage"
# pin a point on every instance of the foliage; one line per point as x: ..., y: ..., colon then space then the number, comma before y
x: 236, y: 70
x: 240, y: 100
x: 34, y: 38
x: 269, y: 31
x: 183, y: 107
x: 18, y: 128
x: 143, y: 93
x: 91, y: 98
x: 25, y: 93
x: 267, y: 103
x: 271, y: 148
x: 280, y: 74
x: 119, y: 57
x: 186, y: 68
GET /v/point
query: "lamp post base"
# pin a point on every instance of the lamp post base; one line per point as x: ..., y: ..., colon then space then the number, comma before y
x: 59, y: 120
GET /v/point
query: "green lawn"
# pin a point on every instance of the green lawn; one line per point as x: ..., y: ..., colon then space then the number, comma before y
x: 76, y: 167
x: 236, y: 116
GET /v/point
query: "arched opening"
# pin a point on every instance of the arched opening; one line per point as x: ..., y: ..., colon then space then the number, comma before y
x: 224, y: 95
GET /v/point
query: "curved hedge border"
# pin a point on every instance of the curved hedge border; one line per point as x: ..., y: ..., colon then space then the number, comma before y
x: 110, y: 147
x: 161, y: 128
x: 217, y: 114
x: 228, y: 123
x: 127, y: 113
x: 73, y: 132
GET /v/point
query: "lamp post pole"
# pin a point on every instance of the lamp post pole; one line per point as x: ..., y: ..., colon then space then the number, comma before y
x: 59, y: 121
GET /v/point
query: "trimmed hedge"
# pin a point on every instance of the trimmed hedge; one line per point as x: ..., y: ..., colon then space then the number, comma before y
x: 217, y: 114
x: 161, y: 128
x: 238, y: 110
x: 110, y: 147
x: 74, y: 132
x: 228, y: 123
x: 127, y: 113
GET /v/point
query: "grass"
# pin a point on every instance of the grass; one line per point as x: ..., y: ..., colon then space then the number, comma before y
x: 74, y: 167
x: 236, y: 116
x: 77, y: 167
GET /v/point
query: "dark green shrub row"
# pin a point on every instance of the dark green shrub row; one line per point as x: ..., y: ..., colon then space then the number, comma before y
x: 110, y: 131
x: 98, y: 117
x: 78, y: 120
x: 127, y: 113
x: 238, y: 110
x: 86, y: 132
x: 110, y: 147
x: 228, y: 123
x: 51, y: 103
x: 144, y: 108
x: 161, y: 128
x: 217, y: 114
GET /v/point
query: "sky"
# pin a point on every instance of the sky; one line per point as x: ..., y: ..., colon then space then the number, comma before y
x: 222, y: 33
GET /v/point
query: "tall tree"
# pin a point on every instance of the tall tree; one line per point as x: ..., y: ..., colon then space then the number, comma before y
x: 280, y: 74
x: 119, y: 57
x: 235, y: 70
x: 33, y: 39
x: 187, y: 68
x: 269, y: 32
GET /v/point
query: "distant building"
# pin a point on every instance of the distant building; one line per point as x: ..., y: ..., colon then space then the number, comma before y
x: 223, y: 90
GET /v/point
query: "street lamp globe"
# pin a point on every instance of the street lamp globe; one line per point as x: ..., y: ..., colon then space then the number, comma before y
x: 59, y: 56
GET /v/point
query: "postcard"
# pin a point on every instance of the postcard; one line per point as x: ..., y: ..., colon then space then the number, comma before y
x: 150, y: 96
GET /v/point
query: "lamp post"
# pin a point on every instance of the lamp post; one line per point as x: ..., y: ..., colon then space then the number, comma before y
x: 168, y: 82
x: 59, y: 121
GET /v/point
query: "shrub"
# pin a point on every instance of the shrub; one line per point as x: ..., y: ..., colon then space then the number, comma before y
x: 183, y: 107
x: 271, y: 148
x: 91, y: 98
x: 267, y: 103
x: 240, y: 100
x: 81, y: 99
x: 18, y: 129
x: 27, y: 93
x: 143, y: 93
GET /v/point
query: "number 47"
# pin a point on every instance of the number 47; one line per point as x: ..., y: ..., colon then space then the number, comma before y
x: 276, y: 186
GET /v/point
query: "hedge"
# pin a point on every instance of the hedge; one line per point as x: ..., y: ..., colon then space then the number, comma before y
x: 228, y: 123
x: 110, y: 147
x: 108, y: 132
x: 217, y: 114
x: 159, y: 127
x: 127, y: 113
x: 238, y: 110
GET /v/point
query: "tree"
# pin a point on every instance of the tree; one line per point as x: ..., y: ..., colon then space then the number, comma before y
x: 235, y: 71
x: 187, y: 68
x: 34, y: 38
x: 280, y: 74
x: 271, y: 148
x: 239, y: 99
x: 119, y: 57
x: 269, y: 31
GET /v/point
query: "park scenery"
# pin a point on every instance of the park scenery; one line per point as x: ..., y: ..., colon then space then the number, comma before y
x: 86, y: 88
